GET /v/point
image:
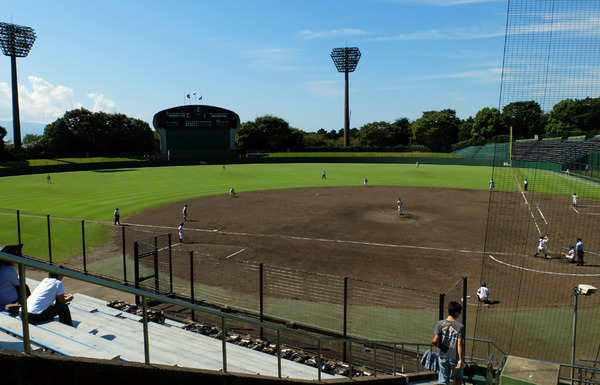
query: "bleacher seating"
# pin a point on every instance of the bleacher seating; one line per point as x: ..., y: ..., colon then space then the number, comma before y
x: 467, y: 152
x: 105, y: 333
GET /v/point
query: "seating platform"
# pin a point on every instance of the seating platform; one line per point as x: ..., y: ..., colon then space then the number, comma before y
x: 103, y: 332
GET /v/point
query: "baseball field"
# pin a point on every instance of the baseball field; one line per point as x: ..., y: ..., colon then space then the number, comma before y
x: 288, y: 215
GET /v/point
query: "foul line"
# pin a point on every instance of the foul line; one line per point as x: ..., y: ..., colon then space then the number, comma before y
x: 542, y: 271
x: 237, y: 252
x: 540, y: 211
x: 313, y: 239
x: 574, y: 209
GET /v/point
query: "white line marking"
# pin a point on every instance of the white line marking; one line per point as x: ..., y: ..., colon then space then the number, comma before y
x: 237, y: 252
x: 542, y: 271
x: 574, y: 209
x: 540, y: 211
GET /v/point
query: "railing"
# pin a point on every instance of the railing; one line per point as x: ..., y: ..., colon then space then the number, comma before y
x: 408, y: 351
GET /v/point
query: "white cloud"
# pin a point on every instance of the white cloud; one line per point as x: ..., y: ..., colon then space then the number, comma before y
x: 102, y: 104
x: 308, y: 34
x: 325, y: 88
x: 449, y: 34
x: 42, y: 102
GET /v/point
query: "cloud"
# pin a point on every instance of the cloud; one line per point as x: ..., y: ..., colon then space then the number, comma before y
x: 325, y: 88
x: 272, y: 59
x: 102, y: 104
x: 43, y: 102
x: 448, y: 34
x: 308, y: 34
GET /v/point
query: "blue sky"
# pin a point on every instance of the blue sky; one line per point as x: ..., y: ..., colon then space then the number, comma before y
x: 255, y: 57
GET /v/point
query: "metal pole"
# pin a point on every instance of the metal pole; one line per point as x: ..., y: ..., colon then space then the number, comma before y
x: 441, y: 310
x: 224, y: 343
x: 19, y: 226
x: 156, y: 279
x: 24, y: 314
x: 146, y: 334
x: 124, y: 256
x: 83, y: 245
x: 261, y: 296
x: 15, y: 103
x: 192, y: 299
x: 345, y: 326
x: 49, y: 240
x: 576, y: 296
x: 136, y: 270
x: 346, y: 113
x: 170, y: 265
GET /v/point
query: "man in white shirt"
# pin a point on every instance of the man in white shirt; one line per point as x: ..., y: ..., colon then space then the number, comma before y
x: 49, y: 300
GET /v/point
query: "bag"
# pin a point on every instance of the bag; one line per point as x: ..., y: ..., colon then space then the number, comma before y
x: 430, y: 360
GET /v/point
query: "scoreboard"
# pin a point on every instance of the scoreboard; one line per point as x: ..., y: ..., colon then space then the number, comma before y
x: 196, y: 117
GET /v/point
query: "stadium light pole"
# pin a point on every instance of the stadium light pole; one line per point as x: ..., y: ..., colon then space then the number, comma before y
x: 16, y: 41
x: 345, y: 60
x: 577, y: 290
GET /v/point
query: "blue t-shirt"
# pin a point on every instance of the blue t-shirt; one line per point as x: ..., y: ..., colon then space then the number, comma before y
x: 9, y: 279
x: 450, y: 332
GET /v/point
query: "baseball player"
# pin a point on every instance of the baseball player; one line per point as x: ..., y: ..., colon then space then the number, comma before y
x: 575, y: 199
x: 180, y: 230
x: 483, y: 293
x: 399, y: 203
x: 184, y: 212
x: 542, y: 246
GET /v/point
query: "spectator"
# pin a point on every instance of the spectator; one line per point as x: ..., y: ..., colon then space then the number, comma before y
x: 9, y: 285
x: 449, y: 337
x: 49, y: 300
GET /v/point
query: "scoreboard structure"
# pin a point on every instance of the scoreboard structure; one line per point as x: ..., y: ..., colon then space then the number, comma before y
x: 196, y: 131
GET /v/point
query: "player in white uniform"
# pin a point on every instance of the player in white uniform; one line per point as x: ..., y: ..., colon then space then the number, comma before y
x: 570, y: 255
x: 400, y: 204
x: 575, y: 200
x: 180, y: 230
x: 542, y: 247
x: 483, y: 293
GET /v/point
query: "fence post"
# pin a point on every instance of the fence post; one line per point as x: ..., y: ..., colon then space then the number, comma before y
x: 124, y: 255
x: 170, y: 265
x: 83, y: 246
x: 136, y: 270
x: 464, y: 300
x: 156, y: 279
x: 192, y: 297
x: 49, y: 240
x: 19, y: 225
x: 441, y: 315
x: 261, y: 296
x: 345, y: 325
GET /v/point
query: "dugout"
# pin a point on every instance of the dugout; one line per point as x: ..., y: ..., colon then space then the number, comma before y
x: 196, y: 131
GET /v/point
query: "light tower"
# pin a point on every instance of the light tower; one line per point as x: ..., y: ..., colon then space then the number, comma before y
x: 346, y: 60
x: 16, y: 41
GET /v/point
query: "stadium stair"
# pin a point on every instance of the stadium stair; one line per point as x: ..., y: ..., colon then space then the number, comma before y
x: 103, y: 332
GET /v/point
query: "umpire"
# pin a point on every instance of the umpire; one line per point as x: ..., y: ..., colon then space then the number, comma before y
x: 579, y: 251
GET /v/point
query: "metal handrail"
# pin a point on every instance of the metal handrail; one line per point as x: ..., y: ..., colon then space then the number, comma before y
x: 144, y: 295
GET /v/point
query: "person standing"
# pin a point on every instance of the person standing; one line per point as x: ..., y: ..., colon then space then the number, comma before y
x: 323, y: 175
x: 449, y: 336
x: 579, y: 251
x: 180, y: 230
x: 117, y: 217
x: 49, y: 300
x: 542, y: 246
x: 184, y: 212
x: 491, y: 184
x: 575, y: 200
x: 400, y: 206
x: 525, y: 183
x: 366, y: 182
x: 48, y: 179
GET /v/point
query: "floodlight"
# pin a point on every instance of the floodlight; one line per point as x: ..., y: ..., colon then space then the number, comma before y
x: 16, y: 41
x: 346, y: 60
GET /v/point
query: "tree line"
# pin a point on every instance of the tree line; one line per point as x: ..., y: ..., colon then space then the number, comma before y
x: 437, y: 131
x: 82, y: 133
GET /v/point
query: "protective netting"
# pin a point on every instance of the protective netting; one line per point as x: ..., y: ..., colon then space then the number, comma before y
x: 548, y: 189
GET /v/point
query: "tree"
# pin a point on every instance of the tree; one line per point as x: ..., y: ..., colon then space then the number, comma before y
x: 3, y: 134
x: 524, y: 117
x: 83, y: 133
x: 436, y: 129
x: 574, y: 116
x: 487, y: 123
x: 376, y: 135
x: 402, y: 132
x: 267, y: 133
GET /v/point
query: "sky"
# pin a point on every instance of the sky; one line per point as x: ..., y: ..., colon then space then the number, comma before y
x: 256, y: 58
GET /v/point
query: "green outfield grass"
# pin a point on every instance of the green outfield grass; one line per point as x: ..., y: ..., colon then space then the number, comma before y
x: 93, y: 195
